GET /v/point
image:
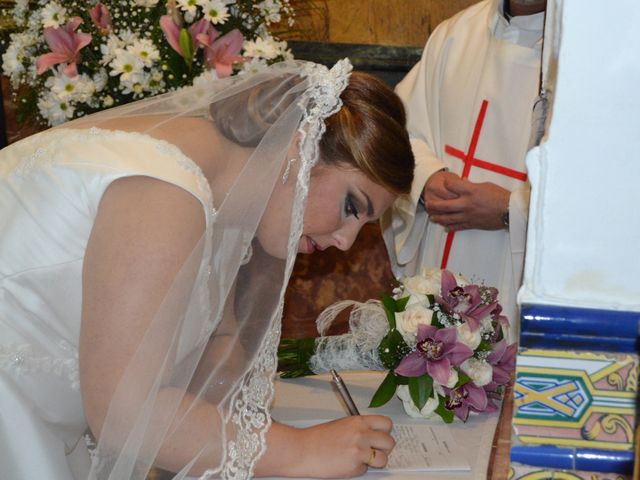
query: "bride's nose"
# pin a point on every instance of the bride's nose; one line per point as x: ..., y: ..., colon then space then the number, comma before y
x: 343, y: 239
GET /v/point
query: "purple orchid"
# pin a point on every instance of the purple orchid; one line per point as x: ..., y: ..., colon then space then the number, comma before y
x: 503, y: 360
x: 501, y: 320
x: 466, y: 398
x: 436, y: 351
x: 101, y: 18
x: 465, y: 301
x: 65, y: 45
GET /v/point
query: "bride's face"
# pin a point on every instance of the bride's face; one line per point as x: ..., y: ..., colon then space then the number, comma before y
x: 340, y: 202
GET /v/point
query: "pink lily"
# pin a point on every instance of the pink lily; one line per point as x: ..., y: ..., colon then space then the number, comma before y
x: 101, y: 18
x: 172, y: 31
x: 503, y: 360
x: 465, y: 301
x: 223, y: 52
x: 65, y: 47
x: 466, y: 398
x: 436, y: 350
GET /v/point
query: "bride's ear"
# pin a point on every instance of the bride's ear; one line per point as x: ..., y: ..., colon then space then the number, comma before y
x: 292, y: 161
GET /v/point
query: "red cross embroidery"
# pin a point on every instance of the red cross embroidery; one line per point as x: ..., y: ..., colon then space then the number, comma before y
x: 470, y: 161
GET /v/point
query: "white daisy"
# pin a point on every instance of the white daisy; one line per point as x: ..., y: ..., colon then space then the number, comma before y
x: 146, y: 50
x: 127, y: 65
x: 262, y: 48
x: 215, y: 11
x: 270, y: 10
x: 53, y: 15
x: 20, y: 12
x: 100, y: 79
x: 111, y: 48
x: 145, y: 3
x: 156, y: 82
x: 54, y: 110
x: 190, y: 8
x: 62, y: 86
x: 253, y: 66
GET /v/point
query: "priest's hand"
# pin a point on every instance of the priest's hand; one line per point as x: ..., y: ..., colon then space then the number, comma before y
x: 464, y: 205
x: 436, y: 187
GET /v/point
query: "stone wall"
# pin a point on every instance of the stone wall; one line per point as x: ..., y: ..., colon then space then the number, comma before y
x: 376, y: 22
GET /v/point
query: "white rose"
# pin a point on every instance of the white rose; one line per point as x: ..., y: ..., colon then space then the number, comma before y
x: 426, y: 412
x: 426, y: 284
x: 466, y: 336
x: 407, y: 322
x: 413, y: 298
x: 480, y: 371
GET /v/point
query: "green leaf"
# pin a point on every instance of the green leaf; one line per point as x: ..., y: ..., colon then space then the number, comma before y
x: 186, y: 44
x: 420, y: 389
x: 444, y: 413
x: 462, y: 379
x: 385, y: 391
x: 485, y: 346
x: 389, y: 305
x: 434, y: 320
x: 401, y: 304
x: 392, y: 349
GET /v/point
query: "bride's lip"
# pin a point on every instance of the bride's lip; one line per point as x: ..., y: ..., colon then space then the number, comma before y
x: 312, y: 245
x: 308, y: 246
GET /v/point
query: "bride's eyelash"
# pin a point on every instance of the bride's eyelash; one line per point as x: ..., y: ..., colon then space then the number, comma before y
x: 350, y: 207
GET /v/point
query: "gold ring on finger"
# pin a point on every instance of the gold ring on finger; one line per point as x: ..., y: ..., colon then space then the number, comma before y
x: 372, y: 456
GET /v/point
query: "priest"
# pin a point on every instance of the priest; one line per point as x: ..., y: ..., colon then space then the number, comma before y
x: 469, y: 102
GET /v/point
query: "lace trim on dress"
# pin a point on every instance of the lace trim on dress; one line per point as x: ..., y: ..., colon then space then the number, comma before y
x: 21, y: 359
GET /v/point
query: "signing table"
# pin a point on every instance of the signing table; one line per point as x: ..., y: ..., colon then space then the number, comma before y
x: 314, y: 399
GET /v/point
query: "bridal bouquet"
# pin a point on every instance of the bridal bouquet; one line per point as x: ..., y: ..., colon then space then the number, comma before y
x: 70, y: 58
x: 440, y: 338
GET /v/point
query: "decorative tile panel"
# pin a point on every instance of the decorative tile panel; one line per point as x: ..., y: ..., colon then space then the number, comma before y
x: 575, y: 399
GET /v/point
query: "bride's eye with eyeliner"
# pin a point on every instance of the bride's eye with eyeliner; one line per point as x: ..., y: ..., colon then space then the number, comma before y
x: 350, y: 207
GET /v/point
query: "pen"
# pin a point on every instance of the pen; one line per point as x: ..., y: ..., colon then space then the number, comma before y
x: 344, y: 393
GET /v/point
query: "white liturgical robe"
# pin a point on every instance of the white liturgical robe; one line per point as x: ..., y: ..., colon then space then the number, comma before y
x: 476, y: 61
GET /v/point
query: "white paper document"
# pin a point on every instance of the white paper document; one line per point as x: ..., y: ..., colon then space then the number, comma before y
x: 419, y: 448
x: 425, y: 448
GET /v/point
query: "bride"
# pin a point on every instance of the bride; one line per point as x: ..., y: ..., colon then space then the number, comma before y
x: 144, y: 255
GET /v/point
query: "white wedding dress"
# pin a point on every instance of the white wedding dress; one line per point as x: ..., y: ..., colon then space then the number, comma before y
x: 50, y: 188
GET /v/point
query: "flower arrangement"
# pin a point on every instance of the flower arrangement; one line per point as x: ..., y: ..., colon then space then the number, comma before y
x: 70, y: 57
x: 442, y: 343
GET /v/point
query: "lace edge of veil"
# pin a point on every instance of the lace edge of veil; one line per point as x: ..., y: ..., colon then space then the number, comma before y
x: 250, y: 406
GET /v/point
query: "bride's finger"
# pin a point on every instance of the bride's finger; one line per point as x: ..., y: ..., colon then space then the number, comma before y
x: 377, y: 458
x: 378, y: 422
x: 382, y: 441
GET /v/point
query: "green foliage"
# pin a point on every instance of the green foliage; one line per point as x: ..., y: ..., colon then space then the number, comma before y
x: 294, y: 355
x: 463, y: 379
x: 187, y: 47
x: 420, y: 389
x: 444, y: 413
x: 385, y: 391
x: 392, y: 349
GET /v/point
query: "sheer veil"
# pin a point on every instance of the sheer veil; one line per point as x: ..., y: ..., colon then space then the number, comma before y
x: 213, y: 338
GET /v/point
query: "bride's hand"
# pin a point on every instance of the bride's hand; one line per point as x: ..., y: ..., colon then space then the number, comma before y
x: 338, y: 449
